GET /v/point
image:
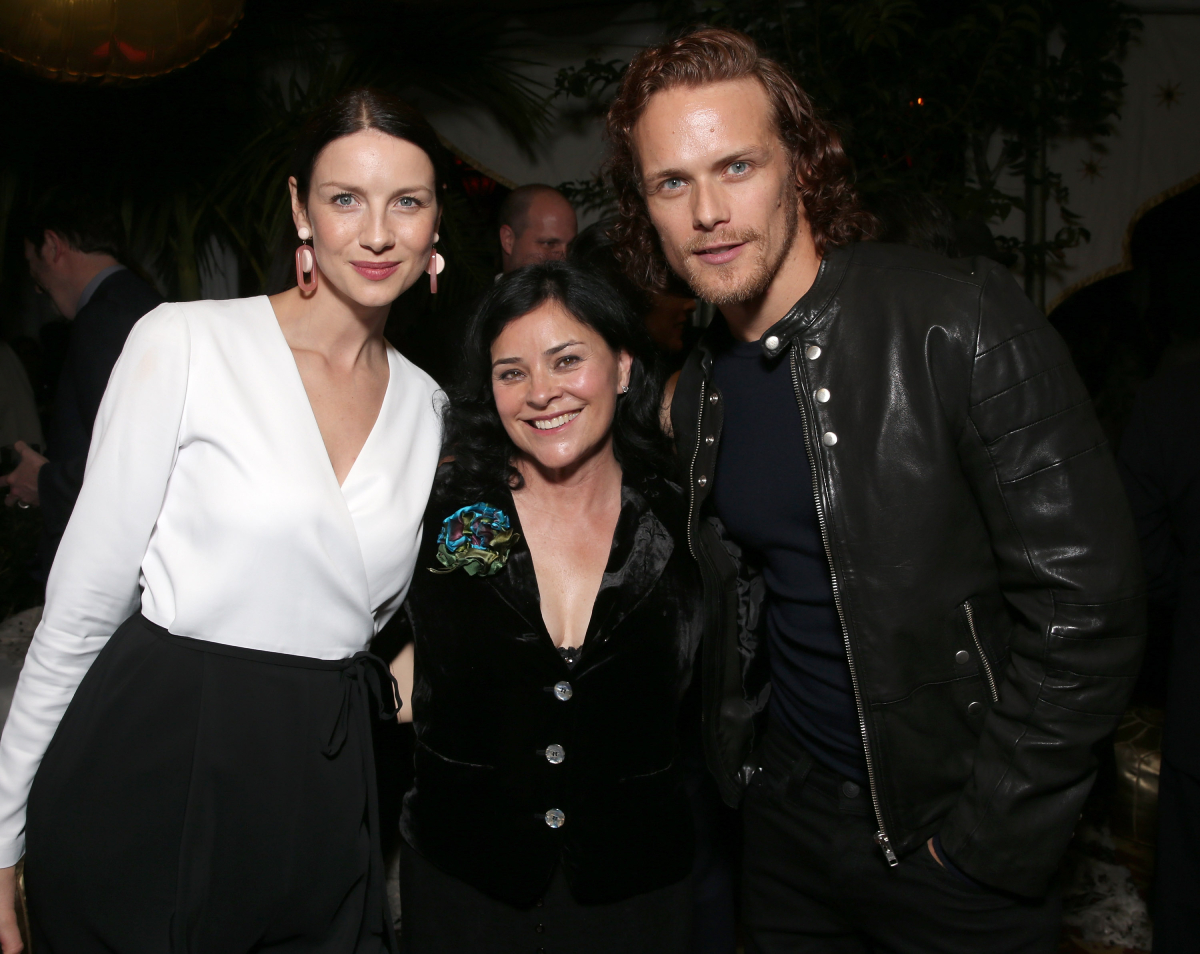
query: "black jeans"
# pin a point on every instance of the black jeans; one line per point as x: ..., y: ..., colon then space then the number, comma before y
x: 814, y: 880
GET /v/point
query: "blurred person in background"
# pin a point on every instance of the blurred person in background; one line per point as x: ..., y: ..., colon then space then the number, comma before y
x: 592, y: 250
x: 537, y: 224
x: 922, y: 220
x: 18, y: 409
x: 667, y: 322
x: 667, y: 314
x: 916, y: 219
x: 73, y: 245
x: 1160, y: 463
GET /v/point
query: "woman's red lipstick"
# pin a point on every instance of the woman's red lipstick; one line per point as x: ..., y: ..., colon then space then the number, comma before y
x: 376, y: 271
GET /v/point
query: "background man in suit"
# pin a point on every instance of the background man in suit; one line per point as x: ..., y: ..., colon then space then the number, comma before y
x: 536, y: 225
x: 72, y: 246
x: 1160, y: 461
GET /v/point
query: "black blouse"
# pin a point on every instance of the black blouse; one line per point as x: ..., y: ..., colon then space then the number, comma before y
x: 524, y: 761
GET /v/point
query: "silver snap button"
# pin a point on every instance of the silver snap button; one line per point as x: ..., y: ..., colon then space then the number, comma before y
x: 829, y: 438
x: 975, y: 708
x: 555, y: 818
x: 713, y: 398
x: 701, y: 481
x: 772, y: 343
x: 822, y: 395
x: 555, y: 754
x: 962, y: 657
x: 812, y: 352
x: 710, y: 439
x: 563, y: 691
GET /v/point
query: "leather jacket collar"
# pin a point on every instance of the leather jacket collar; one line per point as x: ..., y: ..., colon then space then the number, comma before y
x: 813, y: 304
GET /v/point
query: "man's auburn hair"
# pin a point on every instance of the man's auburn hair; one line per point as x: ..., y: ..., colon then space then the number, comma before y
x: 822, y: 170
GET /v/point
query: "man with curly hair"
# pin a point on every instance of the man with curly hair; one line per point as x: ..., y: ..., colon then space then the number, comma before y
x: 924, y: 600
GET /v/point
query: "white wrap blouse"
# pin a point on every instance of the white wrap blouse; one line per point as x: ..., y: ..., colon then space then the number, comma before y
x: 210, y: 503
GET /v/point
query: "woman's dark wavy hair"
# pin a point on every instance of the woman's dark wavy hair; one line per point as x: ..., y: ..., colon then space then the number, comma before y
x: 482, y: 452
x: 824, y: 173
x: 366, y: 108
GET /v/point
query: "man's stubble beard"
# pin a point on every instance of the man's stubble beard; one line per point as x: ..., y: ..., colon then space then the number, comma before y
x: 718, y: 284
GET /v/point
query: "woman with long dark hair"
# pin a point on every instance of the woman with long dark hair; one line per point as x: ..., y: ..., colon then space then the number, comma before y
x: 192, y: 728
x: 553, y: 618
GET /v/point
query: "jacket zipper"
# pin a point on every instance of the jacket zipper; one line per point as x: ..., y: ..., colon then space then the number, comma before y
x: 692, y: 469
x: 987, y: 666
x: 881, y: 836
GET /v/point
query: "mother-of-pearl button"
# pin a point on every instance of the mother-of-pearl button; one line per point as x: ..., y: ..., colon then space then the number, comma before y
x: 812, y: 352
x: 772, y: 342
x: 829, y: 438
x: 822, y: 395
x: 556, y: 818
x: 555, y: 754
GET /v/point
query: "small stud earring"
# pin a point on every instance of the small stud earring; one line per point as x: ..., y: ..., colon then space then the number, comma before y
x: 625, y: 389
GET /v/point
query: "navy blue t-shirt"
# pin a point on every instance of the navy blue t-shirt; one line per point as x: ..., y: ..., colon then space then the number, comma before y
x: 763, y: 493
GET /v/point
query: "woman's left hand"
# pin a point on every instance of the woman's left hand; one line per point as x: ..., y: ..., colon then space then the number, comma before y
x: 10, y: 933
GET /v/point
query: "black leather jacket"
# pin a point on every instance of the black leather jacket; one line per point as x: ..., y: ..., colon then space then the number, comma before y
x: 985, y: 567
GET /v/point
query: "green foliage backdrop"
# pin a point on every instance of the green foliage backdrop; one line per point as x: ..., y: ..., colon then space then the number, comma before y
x: 940, y: 96
x: 948, y: 97
x: 924, y: 88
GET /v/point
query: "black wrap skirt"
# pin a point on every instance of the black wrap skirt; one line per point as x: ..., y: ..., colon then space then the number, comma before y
x: 209, y: 799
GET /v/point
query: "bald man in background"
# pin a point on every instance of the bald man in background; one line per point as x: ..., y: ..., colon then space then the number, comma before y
x: 536, y: 225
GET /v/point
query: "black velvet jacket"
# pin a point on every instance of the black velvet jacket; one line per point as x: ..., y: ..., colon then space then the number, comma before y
x: 486, y: 711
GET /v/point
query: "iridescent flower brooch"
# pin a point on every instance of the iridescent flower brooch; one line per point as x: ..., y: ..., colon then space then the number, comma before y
x: 476, y: 538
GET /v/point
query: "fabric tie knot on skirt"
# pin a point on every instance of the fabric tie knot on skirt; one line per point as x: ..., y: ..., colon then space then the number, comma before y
x: 365, y: 677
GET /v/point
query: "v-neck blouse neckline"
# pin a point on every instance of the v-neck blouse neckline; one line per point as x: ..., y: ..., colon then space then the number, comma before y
x: 311, y: 416
x: 641, y: 546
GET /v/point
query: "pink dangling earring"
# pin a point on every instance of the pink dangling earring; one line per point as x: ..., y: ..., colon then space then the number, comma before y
x: 436, y: 264
x: 306, y: 262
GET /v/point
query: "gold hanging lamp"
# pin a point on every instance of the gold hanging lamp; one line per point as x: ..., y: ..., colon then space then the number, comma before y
x: 112, y: 40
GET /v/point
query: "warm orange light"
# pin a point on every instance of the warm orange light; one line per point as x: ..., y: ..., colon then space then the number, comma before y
x: 920, y: 102
x: 112, y: 40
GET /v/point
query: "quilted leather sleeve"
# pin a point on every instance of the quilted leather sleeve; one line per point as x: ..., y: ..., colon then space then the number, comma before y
x: 1069, y: 568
